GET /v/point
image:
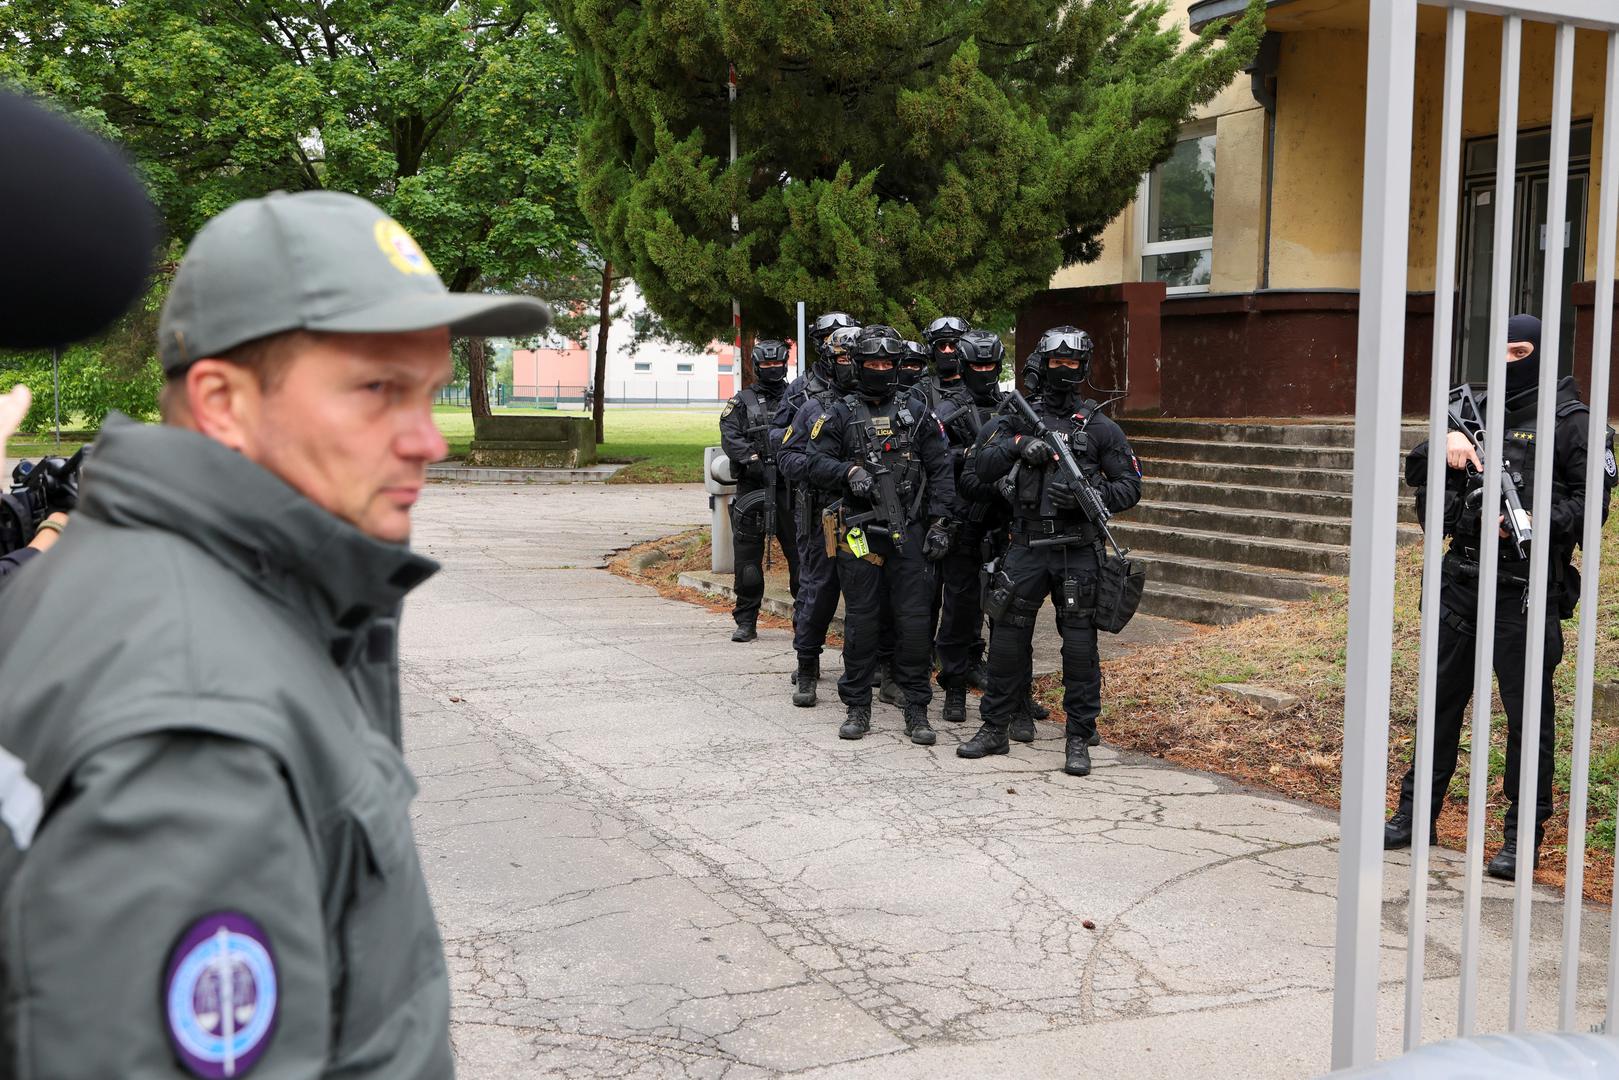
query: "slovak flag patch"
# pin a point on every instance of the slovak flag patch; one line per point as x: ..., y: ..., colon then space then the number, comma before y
x: 1135, y: 463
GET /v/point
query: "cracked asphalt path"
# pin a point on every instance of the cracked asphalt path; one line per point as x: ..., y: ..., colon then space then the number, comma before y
x: 646, y: 862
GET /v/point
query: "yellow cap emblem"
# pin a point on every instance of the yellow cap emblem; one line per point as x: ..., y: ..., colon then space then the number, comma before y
x: 401, y: 249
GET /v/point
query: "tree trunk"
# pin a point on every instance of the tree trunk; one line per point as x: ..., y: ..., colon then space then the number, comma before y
x: 599, y: 398
x: 478, y: 376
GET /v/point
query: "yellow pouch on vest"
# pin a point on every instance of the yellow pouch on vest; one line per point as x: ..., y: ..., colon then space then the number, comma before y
x: 857, y: 543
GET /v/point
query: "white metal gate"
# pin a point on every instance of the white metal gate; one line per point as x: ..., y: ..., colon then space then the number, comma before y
x: 1387, y: 210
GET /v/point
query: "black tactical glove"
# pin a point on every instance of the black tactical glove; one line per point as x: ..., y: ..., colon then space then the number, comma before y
x: 936, y: 545
x: 754, y: 468
x: 1063, y: 496
x: 860, y: 481
x: 1036, y: 453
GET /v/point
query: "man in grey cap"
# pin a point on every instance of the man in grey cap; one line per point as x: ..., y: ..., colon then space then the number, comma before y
x: 206, y: 860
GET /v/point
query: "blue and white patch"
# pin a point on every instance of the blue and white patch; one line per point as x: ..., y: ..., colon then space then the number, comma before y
x: 1607, y: 463
x: 220, y: 995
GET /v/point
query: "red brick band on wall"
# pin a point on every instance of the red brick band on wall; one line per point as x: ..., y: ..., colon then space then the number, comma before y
x: 1274, y: 353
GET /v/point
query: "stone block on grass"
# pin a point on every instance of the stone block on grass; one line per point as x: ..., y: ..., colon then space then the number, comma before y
x: 1263, y: 698
x: 532, y: 442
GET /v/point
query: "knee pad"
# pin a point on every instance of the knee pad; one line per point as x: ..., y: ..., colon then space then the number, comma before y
x: 749, y: 577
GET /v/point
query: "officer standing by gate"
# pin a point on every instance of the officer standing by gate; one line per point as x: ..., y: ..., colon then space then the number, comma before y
x: 832, y: 376
x: 763, y: 506
x: 886, y: 457
x: 1054, y: 548
x: 1465, y: 518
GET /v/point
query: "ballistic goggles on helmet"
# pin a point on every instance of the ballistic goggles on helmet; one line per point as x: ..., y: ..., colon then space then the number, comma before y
x: 840, y: 342
x: 916, y: 351
x: 825, y: 324
x: 1076, y: 343
x: 947, y: 328
x: 879, y: 348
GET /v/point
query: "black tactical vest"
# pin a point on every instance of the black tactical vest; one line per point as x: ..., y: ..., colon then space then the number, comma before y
x: 1034, y: 485
x: 890, y: 433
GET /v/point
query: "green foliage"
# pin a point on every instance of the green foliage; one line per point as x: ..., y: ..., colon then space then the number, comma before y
x: 459, y: 119
x: 900, y: 161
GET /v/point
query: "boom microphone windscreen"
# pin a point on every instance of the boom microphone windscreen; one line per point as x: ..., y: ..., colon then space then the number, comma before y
x: 76, y: 226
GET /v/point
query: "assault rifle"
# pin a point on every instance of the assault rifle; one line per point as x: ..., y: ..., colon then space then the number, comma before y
x: 1090, y: 503
x: 1466, y: 418
x: 759, y: 435
x: 884, y: 495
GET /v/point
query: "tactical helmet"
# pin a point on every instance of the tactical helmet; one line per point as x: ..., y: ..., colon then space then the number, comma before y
x: 878, y: 343
x: 981, y: 347
x: 942, y: 335
x: 837, y: 353
x: 1067, y: 341
x: 770, y: 361
x: 912, y: 364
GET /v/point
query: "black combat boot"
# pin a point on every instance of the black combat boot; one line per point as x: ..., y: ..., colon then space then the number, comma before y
x: 917, y: 726
x: 955, y: 704
x: 978, y: 675
x: 858, y: 724
x: 1095, y: 739
x: 1078, y: 760
x: 1021, y: 729
x: 1505, y: 863
x: 1397, y: 830
x: 889, y: 692
x: 1037, y: 710
x: 989, y: 740
x: 746, y: 629
x: 809, y: 673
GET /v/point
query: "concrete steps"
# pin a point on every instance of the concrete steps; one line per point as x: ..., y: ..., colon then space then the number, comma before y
x: 1239, y: 518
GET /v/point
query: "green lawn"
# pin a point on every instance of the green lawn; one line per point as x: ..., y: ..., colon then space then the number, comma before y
x: 663, y: 446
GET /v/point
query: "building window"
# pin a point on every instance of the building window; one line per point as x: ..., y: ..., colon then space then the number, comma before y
x: 643, y: 365
x: 686, y: 368
x: 1176, y: 207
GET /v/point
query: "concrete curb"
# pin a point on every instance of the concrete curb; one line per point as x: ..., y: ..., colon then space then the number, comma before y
x: 472, y: 474
x: 777, y: 601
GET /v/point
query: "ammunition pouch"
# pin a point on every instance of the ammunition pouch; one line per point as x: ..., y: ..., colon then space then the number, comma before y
x: 1119, y: 584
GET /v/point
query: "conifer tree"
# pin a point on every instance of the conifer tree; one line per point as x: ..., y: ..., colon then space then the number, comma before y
x: 900, y: 159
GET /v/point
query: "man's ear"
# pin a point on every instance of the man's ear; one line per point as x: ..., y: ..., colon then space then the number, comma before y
x: 224, y: 400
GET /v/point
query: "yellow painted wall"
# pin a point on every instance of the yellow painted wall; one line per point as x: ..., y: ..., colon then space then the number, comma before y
x: 1320, y: 137
x: 1239, y: 153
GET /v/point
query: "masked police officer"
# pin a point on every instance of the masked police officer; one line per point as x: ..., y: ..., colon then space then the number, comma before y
x: 763, y: 506
x: 206, y: 859
x: 1465, y: 518
x: 1054, y: 547
x: 887, y: 459
x: 817, y: 601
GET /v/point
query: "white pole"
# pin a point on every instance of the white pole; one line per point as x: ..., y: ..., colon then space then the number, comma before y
x: 1385, y: 221
x: 803, y: 360
x: 1433, y: 523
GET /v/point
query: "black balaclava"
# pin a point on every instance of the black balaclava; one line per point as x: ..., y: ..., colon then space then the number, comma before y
x: 981, y: 347
x: 878, y: 342
x: 948, y: 328
x: 1523, y: 375
x: 912, y: 364
x: 770, y: 366
x: 1059, y: 384
x: 841, y: 340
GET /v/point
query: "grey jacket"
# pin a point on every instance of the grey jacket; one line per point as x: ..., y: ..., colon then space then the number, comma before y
x: 206, y: 859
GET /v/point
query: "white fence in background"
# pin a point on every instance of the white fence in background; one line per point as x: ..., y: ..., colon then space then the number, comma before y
x: 1387, y: 213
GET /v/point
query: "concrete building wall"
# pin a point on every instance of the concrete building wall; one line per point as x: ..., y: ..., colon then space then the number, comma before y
x: 1239, y: 123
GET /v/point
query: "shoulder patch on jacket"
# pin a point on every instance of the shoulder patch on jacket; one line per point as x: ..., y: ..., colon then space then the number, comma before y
x: 730, y: 407
x: 815, y: 432
x: 787, y: 436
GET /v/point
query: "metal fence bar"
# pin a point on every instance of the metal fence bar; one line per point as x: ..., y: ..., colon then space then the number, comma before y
x: 1433, y: 523
x: 1506, y: 161
x: 1390, y: 69
x: 1535, y: 688
x: 1591, y: 564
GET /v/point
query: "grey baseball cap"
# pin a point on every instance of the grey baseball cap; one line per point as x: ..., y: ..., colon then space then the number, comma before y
x: 317, y: 260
